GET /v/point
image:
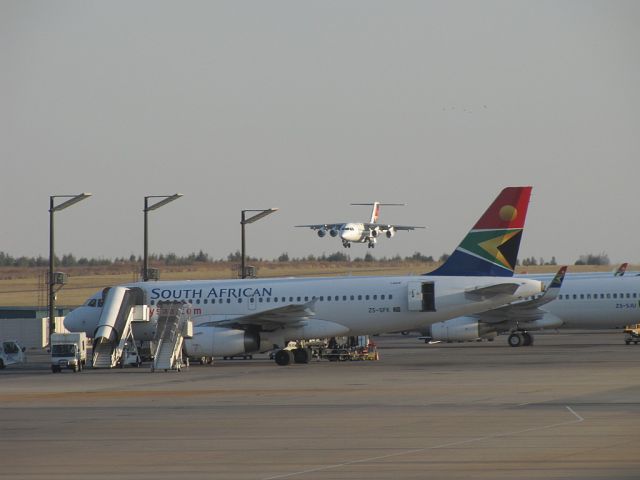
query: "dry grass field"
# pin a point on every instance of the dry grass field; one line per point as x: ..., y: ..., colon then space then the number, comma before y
x: 26, y: 286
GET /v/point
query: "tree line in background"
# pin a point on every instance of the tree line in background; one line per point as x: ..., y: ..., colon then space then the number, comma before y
x: 69, y: 260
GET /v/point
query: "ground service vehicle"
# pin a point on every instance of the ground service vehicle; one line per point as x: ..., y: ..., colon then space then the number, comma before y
x: 11, y: 353
x: 632, y: 334
x: 68, y: 350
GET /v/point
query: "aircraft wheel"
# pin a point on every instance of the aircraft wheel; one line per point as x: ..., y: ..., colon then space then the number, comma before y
x: 302, y: 355
x: 527, y: 339
x: 284, y: 357
x: 515, y: 340
x: 628, y: 342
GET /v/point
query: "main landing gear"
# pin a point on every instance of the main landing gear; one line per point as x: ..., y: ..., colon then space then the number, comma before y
x: 520, y: 339
x: 297, y: 355
x: 346, y: 244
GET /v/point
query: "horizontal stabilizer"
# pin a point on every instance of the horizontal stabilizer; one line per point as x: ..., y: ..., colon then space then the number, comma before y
x: 526, y: 310
x: 384, y: 227
x: 483, y: 293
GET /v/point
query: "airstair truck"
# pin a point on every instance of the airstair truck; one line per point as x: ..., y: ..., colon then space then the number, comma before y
x: 68, y: 350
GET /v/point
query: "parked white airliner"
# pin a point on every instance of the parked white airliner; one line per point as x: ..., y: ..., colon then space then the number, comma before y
x: 585, y: 302
x: 243, y: 316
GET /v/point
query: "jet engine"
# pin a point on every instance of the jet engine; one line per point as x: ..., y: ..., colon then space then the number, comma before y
x: 222, y: 342
x: 374, y: 232
x: 391, y: 232
x: 333, y: 232
x: 461, y: 329
x: 322, y: 232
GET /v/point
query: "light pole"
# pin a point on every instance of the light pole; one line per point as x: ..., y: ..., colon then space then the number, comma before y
x: 147, y: 208
x: 72, y: 199
x: 243, y: 221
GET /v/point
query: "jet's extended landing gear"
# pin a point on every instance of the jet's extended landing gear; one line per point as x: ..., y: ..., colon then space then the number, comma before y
x: 346, y: 244
x: 371, y: 244
x: 520, y: 339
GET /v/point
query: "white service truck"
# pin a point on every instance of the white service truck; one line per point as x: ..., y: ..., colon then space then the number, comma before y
x: 68, y: 350
x: 11, y: 353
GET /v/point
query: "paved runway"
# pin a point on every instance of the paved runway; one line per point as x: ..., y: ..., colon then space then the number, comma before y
x: 568, y: 407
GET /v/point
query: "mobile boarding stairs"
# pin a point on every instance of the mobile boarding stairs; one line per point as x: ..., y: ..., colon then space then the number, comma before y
x: 113, y: 342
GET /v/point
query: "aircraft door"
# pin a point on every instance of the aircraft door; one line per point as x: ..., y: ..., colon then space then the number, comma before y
x: 252, y: 301
x: 421, y: 297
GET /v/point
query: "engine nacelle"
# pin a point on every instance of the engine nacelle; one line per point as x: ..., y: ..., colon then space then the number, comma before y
x: 461, y: 329
x: 333, y: 232
x: 322, y: 232
x: 391, y: 232
x: 374, y: 232
x: 222, y: 342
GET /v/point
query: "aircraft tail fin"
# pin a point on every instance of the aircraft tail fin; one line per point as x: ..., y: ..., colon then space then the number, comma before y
x: 491, y: 246
x: 375, y: 212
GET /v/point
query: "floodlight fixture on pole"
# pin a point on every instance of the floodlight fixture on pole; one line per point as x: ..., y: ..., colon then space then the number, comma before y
x: 72, y: 199
x: 147, y: 208
x: 244, y: 221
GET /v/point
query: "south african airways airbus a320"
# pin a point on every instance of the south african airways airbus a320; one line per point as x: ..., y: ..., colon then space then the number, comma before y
x: 233, y: 317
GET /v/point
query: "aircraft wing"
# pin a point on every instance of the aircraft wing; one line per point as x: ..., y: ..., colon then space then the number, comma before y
x: 525, y: 310
x: 384, y: 227
x: 325, y: 226
x: 285, y: 316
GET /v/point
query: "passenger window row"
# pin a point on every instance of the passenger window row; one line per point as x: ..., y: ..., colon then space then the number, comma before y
x: 595, y: 296
x: 321, y: 298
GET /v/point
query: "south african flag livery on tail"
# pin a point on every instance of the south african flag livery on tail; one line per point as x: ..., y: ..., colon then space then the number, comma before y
x: 491, y: 247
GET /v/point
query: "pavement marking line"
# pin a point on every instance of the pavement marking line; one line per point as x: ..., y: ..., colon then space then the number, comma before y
x: 578, y: 419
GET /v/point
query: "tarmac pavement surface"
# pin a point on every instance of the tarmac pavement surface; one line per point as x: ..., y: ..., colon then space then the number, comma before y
x: 567, y: 407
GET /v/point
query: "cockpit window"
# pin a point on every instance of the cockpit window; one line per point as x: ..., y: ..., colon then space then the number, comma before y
x: 100, y: 302
x: 92, y: 302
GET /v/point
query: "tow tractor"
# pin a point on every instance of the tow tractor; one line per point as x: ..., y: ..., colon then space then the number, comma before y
x: 632, y: 334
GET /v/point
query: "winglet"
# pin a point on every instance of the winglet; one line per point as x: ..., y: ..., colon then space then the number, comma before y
x: 620, y: 270
x: 558, y: 279
x: 552, y: 291
x: 491, y: 246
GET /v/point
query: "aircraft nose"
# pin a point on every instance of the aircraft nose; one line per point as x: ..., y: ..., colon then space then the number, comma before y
x: 71, y: 320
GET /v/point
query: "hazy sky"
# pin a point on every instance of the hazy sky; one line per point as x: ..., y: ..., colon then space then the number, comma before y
x: 308, y: 106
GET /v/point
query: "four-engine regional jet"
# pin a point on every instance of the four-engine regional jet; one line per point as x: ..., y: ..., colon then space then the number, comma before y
x: 234, y: 317
x: 360, y: 232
